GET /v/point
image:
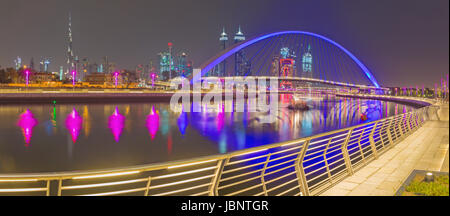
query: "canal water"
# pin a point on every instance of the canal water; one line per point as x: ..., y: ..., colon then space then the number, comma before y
x: 67, y: 137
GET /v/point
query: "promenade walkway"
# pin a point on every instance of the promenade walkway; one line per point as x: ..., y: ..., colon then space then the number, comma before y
x: 425, y: 149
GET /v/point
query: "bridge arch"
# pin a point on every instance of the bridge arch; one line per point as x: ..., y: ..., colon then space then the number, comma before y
x: 211, y: 63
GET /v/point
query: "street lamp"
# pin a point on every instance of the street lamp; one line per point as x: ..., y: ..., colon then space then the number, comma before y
x: 116, y: 75
x: 27, y: 76
x: 73, y: 78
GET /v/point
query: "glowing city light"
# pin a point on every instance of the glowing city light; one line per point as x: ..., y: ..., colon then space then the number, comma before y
x: 152, y: 122
x: 27, y: 122
x: 116, y: 123
x: 73, y: 124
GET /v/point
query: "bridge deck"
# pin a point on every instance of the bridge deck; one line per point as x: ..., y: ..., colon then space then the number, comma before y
x: 425, y: 149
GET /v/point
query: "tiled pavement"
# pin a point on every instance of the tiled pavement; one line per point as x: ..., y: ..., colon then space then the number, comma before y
x: 425, y: 149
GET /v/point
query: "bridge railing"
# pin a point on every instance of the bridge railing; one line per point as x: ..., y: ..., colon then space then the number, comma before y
x: 305, y: 166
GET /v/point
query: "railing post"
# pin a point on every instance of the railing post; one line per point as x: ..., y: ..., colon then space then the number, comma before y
x: 399, y: 125
x: 326, y: 162
x: 408, y: 121
x: 263, y: 173
x: 213, y: 188
x: 388, y: 130
x: 301, y: 176
x: 48, y: 188
x: 359, y: 145
x: 372, y: 141
x: 59, y: 187
x: 147, y: 189
x: 345, y: 154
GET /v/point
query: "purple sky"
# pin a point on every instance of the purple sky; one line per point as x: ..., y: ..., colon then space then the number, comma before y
x: 403, y: 42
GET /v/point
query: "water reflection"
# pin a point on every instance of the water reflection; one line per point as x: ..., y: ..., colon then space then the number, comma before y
x: 152, y: 122
x: 73, y: 124
x: 116, y: 123
x: 27, y: 123
x: 175, y: 134
x: 182, y: 122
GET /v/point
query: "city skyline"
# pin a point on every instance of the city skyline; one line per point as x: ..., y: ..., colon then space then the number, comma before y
x: 140, y: 31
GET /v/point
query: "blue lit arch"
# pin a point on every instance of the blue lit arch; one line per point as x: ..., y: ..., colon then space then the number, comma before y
x: 209, y: 65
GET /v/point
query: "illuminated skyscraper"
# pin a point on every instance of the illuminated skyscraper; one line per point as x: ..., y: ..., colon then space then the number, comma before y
x: 44, y: 64
x: 283, y: 65
x: 307, y: 63
x: 69, y: 54
x: 223, y: 43
x: 32, y: 63
x: 18, y: 62
x: 241, y: 64
x: 166, y: 64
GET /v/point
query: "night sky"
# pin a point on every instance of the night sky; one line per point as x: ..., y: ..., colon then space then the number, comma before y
x: 403, y: 42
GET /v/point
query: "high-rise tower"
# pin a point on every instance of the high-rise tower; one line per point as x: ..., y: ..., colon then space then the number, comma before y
x: 307, y: 63
x: 69, y: 54
x: 223, y: 43
x: 241, y: 64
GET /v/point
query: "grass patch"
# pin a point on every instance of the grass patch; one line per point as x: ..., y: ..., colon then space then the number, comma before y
x: 439, y: 187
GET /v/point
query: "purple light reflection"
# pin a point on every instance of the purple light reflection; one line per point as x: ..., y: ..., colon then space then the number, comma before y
x: 182, y: 122
x: 116, y: 123
x: 73, y: 124
x: 152, y: 122
x: 27, y: 122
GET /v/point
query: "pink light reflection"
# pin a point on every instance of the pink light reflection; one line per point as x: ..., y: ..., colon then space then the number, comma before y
x: 116, y: 122
x: 152, y: 122
x: 73, y: 124
x: 27, y: 122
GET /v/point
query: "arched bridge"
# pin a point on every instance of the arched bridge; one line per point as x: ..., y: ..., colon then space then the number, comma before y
x: 292, y: 56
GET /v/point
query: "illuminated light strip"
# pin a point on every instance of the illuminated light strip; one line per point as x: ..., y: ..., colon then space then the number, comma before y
x: 22, y: 189
x: 17, y: 180
x: 181, y: 182
x: 106, y: 175
x: 287, y: 191
x: 250, y: 152
x: 182, y: 190
x: 116, y: 192
x: 103, y: 184
x: 184, y: 173
x: 190, y: 164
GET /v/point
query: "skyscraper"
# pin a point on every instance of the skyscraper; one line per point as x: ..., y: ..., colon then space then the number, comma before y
x: 241, y: 64
x: 223, y: 43
x: 69, y: 54
x: 166, y: 64
x: 18, y: 63
x: 307, y: 63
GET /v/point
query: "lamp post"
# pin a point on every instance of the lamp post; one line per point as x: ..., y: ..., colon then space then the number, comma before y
x: 116, y: 75
x: 27, y: 77
x: 153, y: 75
x: 73, y: 79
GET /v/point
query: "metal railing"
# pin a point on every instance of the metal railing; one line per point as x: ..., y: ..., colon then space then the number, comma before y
x: 305, y: 166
